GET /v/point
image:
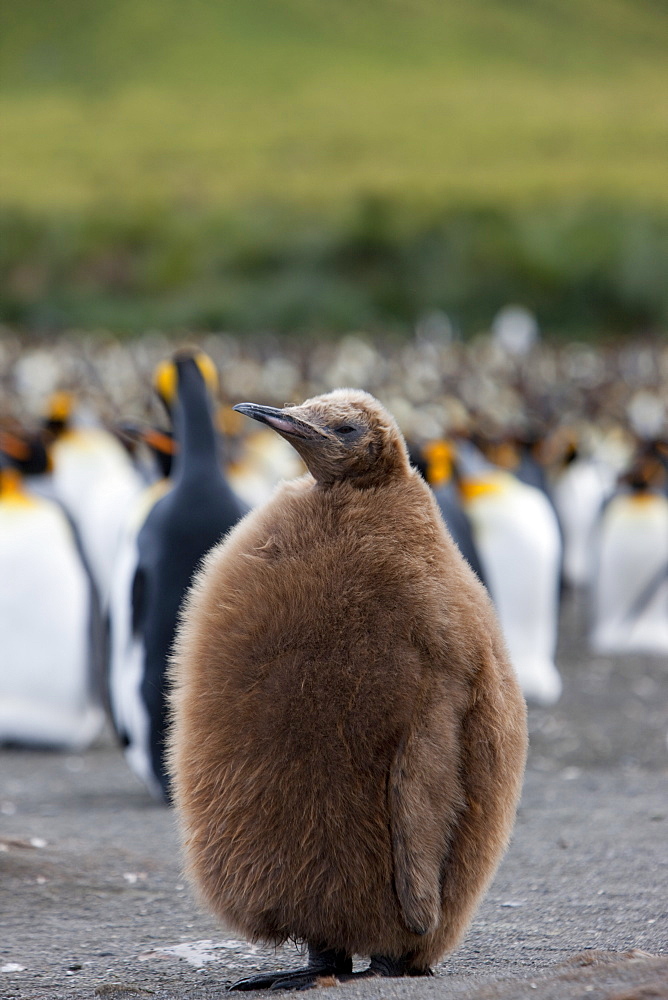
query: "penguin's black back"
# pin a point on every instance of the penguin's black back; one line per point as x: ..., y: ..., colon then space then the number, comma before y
x: 178, y: 532
x: 532, y: 473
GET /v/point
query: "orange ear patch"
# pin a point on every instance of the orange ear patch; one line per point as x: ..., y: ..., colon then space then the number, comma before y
x: 438, y: 455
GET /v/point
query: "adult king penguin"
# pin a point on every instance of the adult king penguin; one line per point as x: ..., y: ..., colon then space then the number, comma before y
x: 95, y: 480
x: 349, y: 738
x: 49, y: 688
x: 442, y: 475
x: 630, y: 592
x: 177, y: 532
x: 516, y: 532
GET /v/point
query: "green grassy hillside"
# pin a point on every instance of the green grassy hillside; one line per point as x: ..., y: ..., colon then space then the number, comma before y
x: 297, y: 99
x: 128, y: 127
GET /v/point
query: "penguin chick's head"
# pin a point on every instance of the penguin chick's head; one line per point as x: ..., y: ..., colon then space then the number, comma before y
x: 342, y: 435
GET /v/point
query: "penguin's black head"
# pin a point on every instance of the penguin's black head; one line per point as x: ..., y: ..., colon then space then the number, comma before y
x: 161, y: 443
x: 342, y: 435
x: 25, y: 452
x: 167, y: 374
x: 58, y: 415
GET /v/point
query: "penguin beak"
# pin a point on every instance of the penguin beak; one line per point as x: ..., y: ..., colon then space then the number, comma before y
x: 283, y: 421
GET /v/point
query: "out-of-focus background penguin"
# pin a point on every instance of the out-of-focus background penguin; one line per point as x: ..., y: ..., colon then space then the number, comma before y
x: 504, y: 442
x: 440, y: 471
x: 198, y: 508
x: 630, y: 593
x: 580, y: 486
x: 516, y: 534
x: 50, y: 672
x: 95, y: 479
x: 509, y: 534
x: 126, y: 651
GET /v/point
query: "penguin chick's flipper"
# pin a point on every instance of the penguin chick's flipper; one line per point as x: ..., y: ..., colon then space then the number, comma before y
x: 425, y: 800
x: 320, y: 964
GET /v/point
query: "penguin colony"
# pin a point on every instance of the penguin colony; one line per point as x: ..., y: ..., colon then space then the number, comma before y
x: 348, y: 737
x: 573, y: 426
x: 157, y: 535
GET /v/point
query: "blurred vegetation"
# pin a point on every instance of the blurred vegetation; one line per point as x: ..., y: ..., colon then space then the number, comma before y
x: 581, y: 269
x: 295, y: 165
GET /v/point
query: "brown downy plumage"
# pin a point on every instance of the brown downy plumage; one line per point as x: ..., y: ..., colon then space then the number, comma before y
x: 348, y: 737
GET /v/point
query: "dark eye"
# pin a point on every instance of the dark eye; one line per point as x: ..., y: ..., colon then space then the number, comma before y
x: 345, y: 429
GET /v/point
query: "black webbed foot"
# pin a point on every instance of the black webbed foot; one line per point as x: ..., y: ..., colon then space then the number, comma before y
x: 381, y: 965
x: 320, y: 963
x: 297, y: 979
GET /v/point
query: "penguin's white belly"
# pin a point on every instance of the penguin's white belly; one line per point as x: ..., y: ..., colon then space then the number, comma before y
x: 631, y: 585
x: 45, y: 695
x: 578, y: 496
x: 102, y: 526
x: 126, y: 653
x: 96, y: 482
x: 517, y: 538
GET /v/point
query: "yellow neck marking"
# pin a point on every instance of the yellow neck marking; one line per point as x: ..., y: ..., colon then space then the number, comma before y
x: 12, y: 491
x: 642, y: 498
x: 472, y: 489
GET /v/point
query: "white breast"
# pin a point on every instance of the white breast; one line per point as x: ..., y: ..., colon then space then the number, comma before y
x: 517, y: 537
x: 579, y: 493
x: 631, y: 584
x: 45, y: 688
x: 96, y: 481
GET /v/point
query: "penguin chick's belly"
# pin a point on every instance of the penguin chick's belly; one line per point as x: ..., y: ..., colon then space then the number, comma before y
x: 296, y: 838
x: 282, y: 763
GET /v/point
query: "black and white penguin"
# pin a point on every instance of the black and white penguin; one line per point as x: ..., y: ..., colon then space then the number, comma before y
x: 49, y: 682
x: 630, y: 586
x: 517, y: 537
x: 95, y: 479
x: 439, y: 469
x: 126, y: 651
x: 581, y: 484
x: 172, y: 535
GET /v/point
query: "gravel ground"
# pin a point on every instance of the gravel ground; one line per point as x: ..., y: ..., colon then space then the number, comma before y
x: 93, y: 903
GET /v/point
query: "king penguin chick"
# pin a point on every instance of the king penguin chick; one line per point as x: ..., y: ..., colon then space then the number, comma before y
x: 177, y: 532
x: 349, y: 738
